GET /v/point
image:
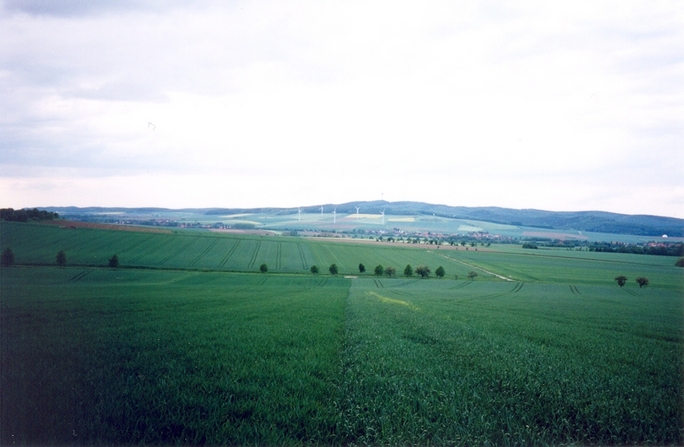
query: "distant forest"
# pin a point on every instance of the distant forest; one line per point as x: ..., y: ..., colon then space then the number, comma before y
x: 643, y: 249
x: 26, y: 215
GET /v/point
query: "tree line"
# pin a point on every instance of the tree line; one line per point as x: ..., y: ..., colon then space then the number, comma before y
x: 641, y: 280
x: 26, y: 215
x: 676, y: 249
x: 422, y: 270
x: 7, y: 259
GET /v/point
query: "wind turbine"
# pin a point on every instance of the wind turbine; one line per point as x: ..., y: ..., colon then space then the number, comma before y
x: 321, y: 211
x: 335, y: 215
x: 357, y: 212
x: 299, y: 214
x: 383, y: 217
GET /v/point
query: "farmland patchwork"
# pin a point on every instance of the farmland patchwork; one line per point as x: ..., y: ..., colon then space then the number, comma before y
x: 187, y: 343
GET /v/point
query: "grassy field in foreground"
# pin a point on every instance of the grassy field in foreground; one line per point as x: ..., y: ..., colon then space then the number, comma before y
x: 101, y: 356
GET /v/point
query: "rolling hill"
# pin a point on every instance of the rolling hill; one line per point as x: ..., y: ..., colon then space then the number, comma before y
x: 591, y: 221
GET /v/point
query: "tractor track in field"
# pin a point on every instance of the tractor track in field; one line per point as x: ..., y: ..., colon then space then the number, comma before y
x: 301, y: 255
x: 279, y: 255
x: 631, y: 292
x: 80, y: 275
x: 402, y: 293
x: 154, y: 250
x: 137, y: 244
x: 574, y: 290
x: 515, y: 289
x: 378, y: 284
x: 255, y: 255
x: 229, y: 254
x: 460, y: 286
x: 204, y: 253
x: 323, y: 283
x: 177, y: 252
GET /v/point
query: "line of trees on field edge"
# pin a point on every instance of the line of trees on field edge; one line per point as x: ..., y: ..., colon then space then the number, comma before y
x: 641, y: 280
x: 7, y: 259
x: 379, y: 270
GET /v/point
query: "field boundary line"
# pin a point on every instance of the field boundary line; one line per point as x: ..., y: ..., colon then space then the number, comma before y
x: 279, y: 254
x: 472, y: 266
x: 204, y: 253
x: 229, y: 254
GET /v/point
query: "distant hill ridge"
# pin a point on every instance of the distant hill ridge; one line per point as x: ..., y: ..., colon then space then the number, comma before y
x: 594, y: 221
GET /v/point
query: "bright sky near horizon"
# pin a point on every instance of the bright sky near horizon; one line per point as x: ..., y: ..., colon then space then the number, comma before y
x: 561, y: 106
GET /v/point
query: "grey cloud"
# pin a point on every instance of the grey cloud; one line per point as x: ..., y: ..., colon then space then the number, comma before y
x: 66, y: 7
x: 75, y: 8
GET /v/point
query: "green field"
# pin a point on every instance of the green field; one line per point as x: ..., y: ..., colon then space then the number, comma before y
x: 187, y: 344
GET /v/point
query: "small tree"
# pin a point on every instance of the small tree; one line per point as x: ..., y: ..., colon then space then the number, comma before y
x: 114, y: 262
x: 7, y: 257
x: 440, y: 272
x: 621, y: 280
x: 379, y: 270
x: 333, y: 269
x: 408, y: 271
x: 390, y: 271
x: 362, y: 268
x: 263, y: 268
x: 61, y: 258
x: 680, y: 262
x: 642, y: 281
x: 472, y: 275
x: 423, y: 271
x: 314, y: 269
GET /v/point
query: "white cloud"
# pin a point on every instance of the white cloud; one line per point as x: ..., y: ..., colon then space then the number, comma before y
x: 573, y: 106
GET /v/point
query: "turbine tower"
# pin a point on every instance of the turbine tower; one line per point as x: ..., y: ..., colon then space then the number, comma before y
x: 357, y: 212
x: 335, y: 215
x: 383, y: 217
x: 321, y: 211
x: 299, y: 214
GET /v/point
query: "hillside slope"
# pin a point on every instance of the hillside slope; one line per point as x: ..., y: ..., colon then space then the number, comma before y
x: 593, y: 221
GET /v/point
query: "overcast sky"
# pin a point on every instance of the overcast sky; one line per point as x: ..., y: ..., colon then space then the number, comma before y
x: 552, y: 105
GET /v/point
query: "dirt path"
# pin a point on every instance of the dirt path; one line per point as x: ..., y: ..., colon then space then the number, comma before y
x: 476, y: 268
